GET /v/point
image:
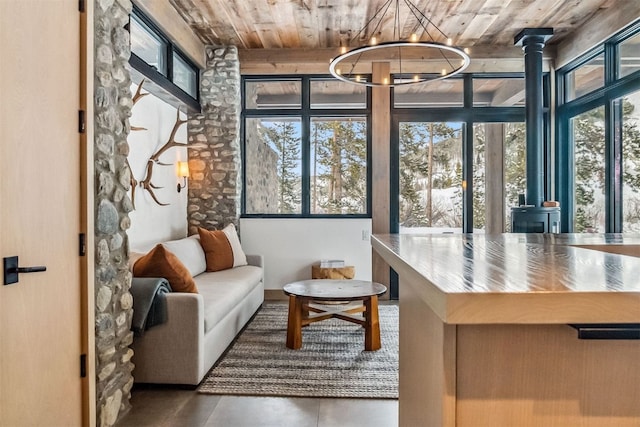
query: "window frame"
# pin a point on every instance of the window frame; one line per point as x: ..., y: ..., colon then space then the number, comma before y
x: 161, y: 78
x: 306, y: 113
x: 468, y: 114
x: 605, y: 96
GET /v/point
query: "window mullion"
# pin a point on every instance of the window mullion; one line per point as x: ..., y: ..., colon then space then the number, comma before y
x: 467, y: 156
x: 615, y: 165
x: 306, y: 147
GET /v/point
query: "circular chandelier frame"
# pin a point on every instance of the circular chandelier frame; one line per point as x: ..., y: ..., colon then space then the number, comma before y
x: 354, y: 58
x: 340, y: 60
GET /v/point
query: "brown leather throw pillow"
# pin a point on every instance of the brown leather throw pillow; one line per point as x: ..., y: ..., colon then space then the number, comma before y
x: 217, y: 249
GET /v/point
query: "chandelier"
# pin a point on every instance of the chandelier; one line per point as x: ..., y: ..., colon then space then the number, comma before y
x: 414, y: 56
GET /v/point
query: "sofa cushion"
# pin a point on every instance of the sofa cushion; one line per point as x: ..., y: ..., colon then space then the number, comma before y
x: 223, y: 290
x: 160, y: 262
x: 189, y: 252
x: 222, y: 248
x: 239, y: 258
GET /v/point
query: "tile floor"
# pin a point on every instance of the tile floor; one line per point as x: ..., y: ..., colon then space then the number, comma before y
x: 164, y: 407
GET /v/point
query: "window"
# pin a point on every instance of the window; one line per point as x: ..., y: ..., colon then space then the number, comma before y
x: 499, y: 174
x: 337, y: 94
x: 598, y: 175
x: 457, y: 155
x: 628, y: 54
x: 588, y: 170
x: 586, y: 78
x: 498, y: 92
x: 273, y: 95
x: 185, y: 76
x: 430, y: 169
x: 339, y: 165
x: 147, y: 45
x: 630, y: 105
x: 155, y: 57
x: 273, y: 149
x: 305, y: 157
x: 439, y: 93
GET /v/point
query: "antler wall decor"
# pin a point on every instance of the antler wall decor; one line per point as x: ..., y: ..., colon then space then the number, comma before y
x: 133, y: 182
x: 155, y: 159
x: 136, y: 97
x: 146, y: 183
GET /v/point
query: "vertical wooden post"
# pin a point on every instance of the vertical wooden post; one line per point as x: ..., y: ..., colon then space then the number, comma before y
x: 380, y: 164
x: 494, y: 177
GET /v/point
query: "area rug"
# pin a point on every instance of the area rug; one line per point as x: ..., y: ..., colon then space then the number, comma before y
x: 331, y: 363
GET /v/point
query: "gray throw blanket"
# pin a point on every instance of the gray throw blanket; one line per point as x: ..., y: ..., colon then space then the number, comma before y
x: 149, y: 305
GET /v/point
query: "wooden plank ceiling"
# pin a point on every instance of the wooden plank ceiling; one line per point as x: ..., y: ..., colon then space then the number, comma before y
x: 278, y: 24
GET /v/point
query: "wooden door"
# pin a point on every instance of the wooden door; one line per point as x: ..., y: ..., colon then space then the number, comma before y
x: 40, y: 316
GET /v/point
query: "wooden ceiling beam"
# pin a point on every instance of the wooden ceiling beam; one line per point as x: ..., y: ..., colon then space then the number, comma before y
x: 316, y: 61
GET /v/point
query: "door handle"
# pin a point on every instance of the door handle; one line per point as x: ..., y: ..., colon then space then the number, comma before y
x: 11, y: 269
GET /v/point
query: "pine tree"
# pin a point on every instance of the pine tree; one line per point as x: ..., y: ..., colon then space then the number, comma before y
x: 284, y: 138
x: 340, y: 166
x: 630, y: 167
x: 515, y: 175
x: 479, y: 162
x: 589, y: 136
x: 588, y: 133
x: 426, y: 154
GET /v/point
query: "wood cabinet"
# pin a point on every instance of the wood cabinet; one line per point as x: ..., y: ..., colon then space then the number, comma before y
x: 484, y: 329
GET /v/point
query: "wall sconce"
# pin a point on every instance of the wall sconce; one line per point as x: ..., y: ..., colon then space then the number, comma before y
x: 183, y: 171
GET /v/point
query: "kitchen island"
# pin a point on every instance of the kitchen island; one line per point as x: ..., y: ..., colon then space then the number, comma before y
x: 489, y: 329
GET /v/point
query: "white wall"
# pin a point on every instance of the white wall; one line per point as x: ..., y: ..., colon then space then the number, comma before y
x: 150, y: 222
x: 291, y: 246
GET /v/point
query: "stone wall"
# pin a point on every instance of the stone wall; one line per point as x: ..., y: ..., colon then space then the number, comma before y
x: 261, y: 179
x: 214, y: 144
x: 112, y: 98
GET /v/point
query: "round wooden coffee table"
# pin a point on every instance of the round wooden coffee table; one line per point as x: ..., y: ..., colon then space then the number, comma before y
x: 303, y: 293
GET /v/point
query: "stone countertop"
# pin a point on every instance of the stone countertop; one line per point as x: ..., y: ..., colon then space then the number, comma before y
x: 520, y: 278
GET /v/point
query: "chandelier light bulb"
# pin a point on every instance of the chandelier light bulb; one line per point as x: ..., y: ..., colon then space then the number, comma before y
x: 374, y: 41
x: 449, y: 42
x: 343, y: 50
x: 385, y: 81
x: 443, y: 72
x: 358, y: 78
x: 414, y: 37
x: 467, y: 50
x: 338, y: 71
x: 416, y: 78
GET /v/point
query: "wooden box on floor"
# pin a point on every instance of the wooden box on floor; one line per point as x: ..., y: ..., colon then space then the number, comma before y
x: 346, y: 272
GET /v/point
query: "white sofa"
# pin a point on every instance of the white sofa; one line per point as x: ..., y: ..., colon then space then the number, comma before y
x: 199, y: 327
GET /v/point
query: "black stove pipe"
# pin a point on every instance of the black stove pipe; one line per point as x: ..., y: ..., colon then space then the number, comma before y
x: 532, y: 41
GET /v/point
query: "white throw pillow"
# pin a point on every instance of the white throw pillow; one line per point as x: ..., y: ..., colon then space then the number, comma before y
x: 239, y: 258
x: 189, y: 252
